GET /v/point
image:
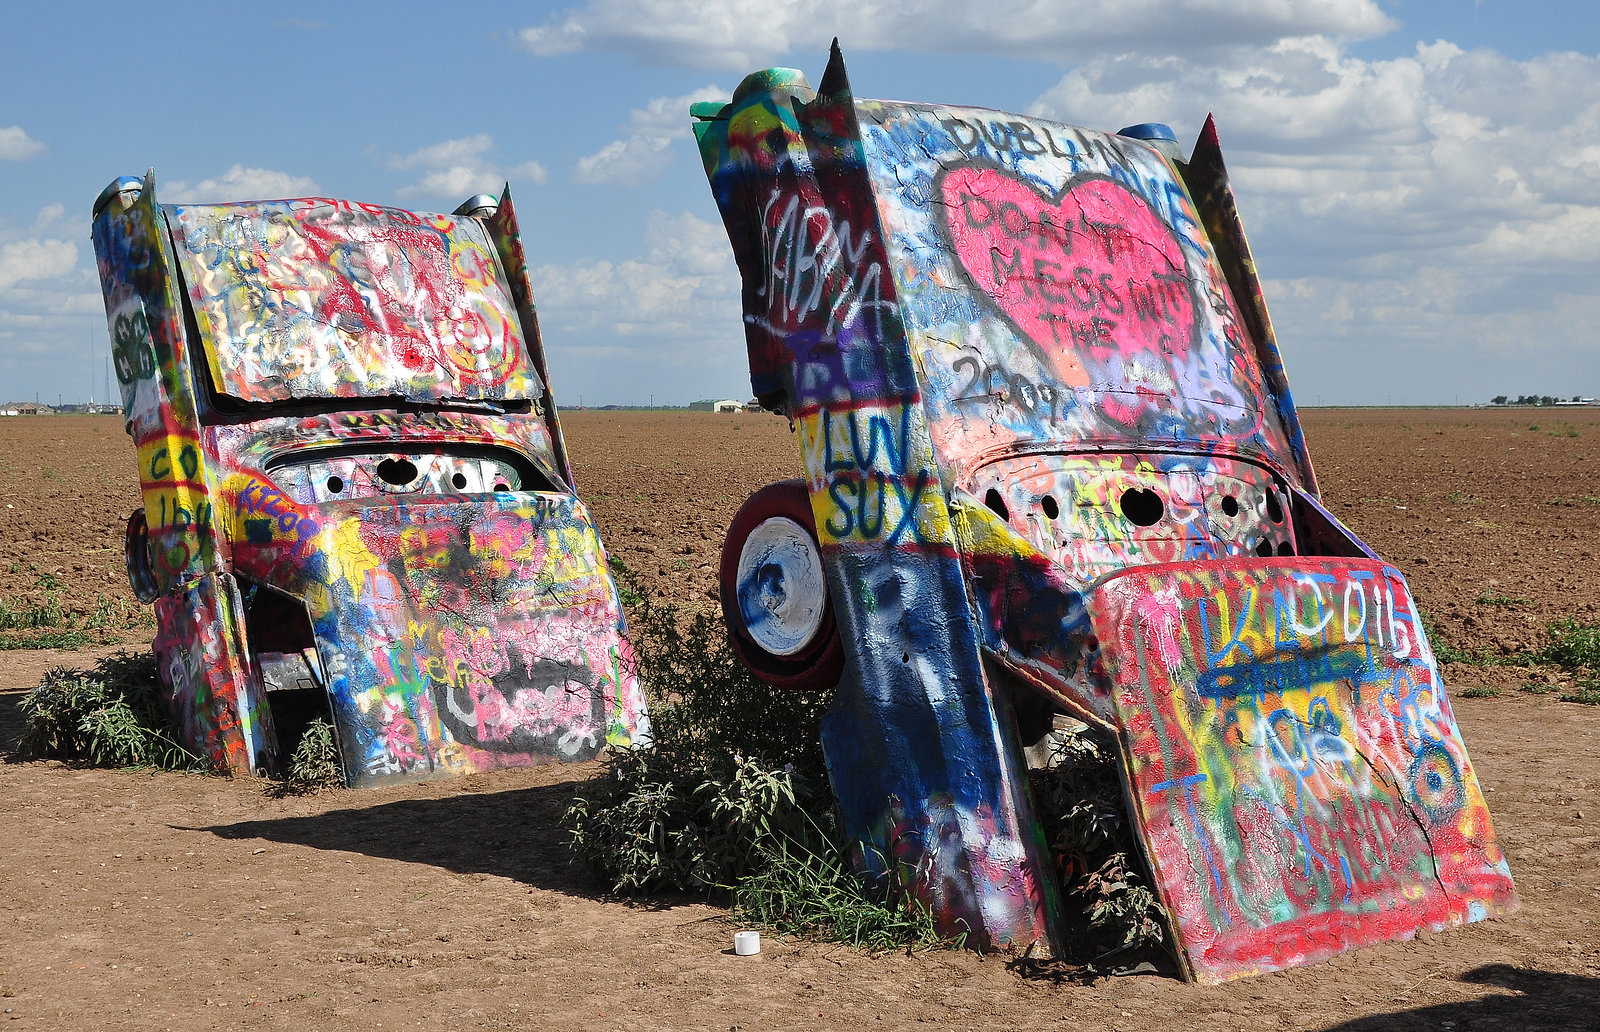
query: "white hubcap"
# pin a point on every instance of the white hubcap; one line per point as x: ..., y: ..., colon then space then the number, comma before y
x: 782, y: 592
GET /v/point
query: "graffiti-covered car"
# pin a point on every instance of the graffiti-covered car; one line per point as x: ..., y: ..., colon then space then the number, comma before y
x: 357, y: 500
x: 1054, y: 470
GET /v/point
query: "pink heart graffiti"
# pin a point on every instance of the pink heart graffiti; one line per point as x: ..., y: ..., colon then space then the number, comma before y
x: 1091, y: 273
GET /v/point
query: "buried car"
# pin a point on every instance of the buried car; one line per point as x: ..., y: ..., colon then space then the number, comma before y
x: 1054, y: 472
x: 357, y: 500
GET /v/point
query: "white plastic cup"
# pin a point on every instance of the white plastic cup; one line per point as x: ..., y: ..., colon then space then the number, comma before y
x: 746, y: 944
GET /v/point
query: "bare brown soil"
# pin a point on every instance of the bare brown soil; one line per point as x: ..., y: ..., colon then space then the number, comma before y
x: 154, y: 901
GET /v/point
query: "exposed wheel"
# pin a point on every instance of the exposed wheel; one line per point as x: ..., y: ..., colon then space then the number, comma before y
x: 774, y: 592
x: 136, y: 557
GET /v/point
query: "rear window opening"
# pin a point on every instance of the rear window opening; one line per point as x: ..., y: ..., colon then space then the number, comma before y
x: 337, y: 474
x: 1096, y: 514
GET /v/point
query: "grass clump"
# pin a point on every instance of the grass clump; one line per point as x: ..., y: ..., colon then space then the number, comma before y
x: 112, y: 715
x: 41, y: 621
x: 729, y: 796
x: 1480, y: 691
x: 1586, y: 693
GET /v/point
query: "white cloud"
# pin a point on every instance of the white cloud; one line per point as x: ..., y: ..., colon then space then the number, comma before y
x: 34, y: 259
x: 683, y: 291
x: 238, y: 184
x: 443, y: 155
x: 639, y: 157
x: 460, y: 168
x: 48, y: 299
x: 1359, y: 157
x: 17, y: 145
x: 741, y: 35
x: 1442, y: 204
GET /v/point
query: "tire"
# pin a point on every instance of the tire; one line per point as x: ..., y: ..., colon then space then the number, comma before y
x: 775, y: 594
x: 136, y: 558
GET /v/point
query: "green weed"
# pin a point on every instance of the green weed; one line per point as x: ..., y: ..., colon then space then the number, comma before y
x: 314, y: 764
x: 109, y: 716
x: 627, y: 583
x: 1491, y: 597
x: 1572, y: 645
x: 1480, y: 691
x: 1587, y: 693
x: 729, y: 795
x: 1081, y: 809
x: 44, y: 623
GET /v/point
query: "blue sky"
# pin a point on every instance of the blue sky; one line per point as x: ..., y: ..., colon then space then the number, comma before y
x: 1421, y: 181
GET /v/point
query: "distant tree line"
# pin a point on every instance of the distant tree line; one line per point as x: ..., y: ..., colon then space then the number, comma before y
x: 1530, y: 399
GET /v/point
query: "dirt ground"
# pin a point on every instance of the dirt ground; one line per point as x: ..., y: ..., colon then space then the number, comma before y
x: 169, y: 901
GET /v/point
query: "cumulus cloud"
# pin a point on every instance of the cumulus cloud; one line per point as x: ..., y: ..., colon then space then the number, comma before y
x: 640, y: 155
x: 1445, y: 203
x: 740, y: 35
x: 1440, y: 148
x: 683, y: 289
x: 238, y: 184
x: 460, y: 168
x: 35, y: 259
x: 17, y: 145
x: 47, y: 296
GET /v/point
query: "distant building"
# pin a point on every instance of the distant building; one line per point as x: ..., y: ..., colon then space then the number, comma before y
x: 727, y: 406
x: 25, y: 408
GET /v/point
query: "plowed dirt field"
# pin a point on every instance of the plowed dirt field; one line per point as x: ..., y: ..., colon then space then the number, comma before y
x: 168, y: 901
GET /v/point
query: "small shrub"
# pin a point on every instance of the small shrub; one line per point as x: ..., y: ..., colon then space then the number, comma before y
x: 1480, y: 691
x: 1572, y: 645
x: 110, y: 716
x: 314, y: 764
x: 729, y: 796
x: 1081, y: 808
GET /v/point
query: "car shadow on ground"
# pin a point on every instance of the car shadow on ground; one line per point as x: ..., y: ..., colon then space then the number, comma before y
x: 11, y: 723
x: 516, y: 834
x: 1545, y: 1000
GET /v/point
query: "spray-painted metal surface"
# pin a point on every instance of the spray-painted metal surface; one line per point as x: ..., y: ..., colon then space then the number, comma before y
x: 1051, y: 452
x: 357, y: 502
